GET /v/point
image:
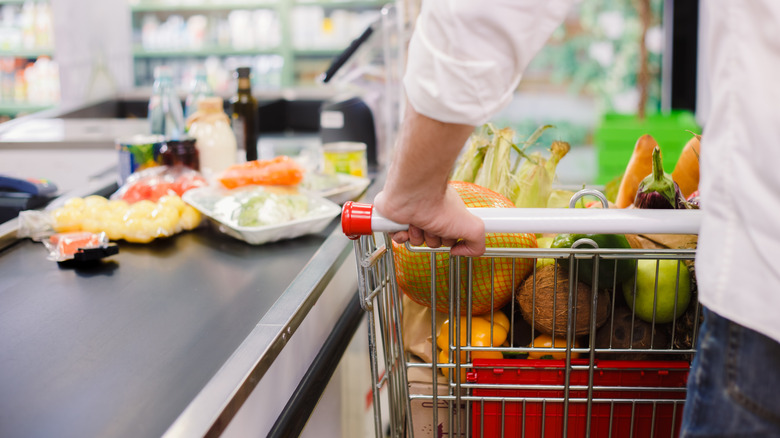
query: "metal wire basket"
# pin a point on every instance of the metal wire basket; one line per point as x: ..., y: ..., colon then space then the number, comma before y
x: 610, y: 371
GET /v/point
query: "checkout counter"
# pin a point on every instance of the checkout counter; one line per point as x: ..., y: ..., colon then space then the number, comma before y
x: 198, y: 334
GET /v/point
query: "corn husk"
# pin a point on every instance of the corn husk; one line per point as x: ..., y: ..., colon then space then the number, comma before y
x: 471, y: 160
x: 533, y: 182
x: 487, y: 161
x: 495, y: 169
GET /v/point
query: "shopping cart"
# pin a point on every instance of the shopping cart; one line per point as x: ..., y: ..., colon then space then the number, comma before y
x: 590, y: 385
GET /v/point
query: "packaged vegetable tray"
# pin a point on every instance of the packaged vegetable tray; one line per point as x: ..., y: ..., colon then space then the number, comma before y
x: 257, y: 214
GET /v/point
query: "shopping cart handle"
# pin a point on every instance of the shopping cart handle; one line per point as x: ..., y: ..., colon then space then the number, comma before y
x: 359, y: 219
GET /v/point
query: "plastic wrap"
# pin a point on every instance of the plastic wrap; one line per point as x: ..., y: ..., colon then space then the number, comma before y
x: 259, y: 215
x: 153, y: 183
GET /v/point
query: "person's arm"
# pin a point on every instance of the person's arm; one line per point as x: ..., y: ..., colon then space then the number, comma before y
x: 465, y: 60
x: 416, y: 190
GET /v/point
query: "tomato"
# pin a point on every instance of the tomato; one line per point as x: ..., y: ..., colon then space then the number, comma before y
x: 187, y: 182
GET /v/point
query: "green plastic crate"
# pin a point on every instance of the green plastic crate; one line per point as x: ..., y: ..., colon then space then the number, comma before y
x: 617, y: 134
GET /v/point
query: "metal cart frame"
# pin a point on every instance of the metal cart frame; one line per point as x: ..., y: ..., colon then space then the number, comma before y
x: 465, y: 411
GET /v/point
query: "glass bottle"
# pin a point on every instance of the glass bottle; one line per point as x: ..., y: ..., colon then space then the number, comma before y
x: 166, y: 116
x: 200, y: 89
x: 244, y: 114
x: 214, y: 139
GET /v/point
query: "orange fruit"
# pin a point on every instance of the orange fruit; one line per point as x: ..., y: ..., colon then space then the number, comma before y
x: 546, y: 341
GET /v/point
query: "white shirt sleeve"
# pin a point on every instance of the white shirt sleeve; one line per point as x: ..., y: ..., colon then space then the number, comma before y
x: 466, y: 57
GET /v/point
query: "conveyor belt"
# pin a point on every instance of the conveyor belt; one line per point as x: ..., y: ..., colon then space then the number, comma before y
x: 122, y: 349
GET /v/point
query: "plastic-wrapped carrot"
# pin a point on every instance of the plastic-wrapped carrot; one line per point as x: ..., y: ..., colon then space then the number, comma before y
x: 639, y: 166
x: 281, y: 170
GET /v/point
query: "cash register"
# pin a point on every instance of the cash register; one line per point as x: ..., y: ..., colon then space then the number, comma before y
x: 17, y: 194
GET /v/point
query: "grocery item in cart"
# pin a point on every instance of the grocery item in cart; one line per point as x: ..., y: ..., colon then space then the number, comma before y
x: 609, y: 270
x: 413, y: 271
x: 530, y: 397
x: 660, y: 291
x: 544, y: 300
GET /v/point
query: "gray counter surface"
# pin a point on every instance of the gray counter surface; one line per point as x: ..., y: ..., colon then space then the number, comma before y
x: 121, y: 349
x: 167, y: 338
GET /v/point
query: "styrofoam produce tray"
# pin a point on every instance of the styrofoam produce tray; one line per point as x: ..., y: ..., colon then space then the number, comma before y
x: 338, y: 188
x: 216, y: 203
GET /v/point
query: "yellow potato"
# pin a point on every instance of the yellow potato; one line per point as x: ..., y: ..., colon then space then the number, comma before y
x: 95, y: 201
x: 173, y: 201
x: 118, y: 206
x: 92, y: 224
x: 140, y: 210
x: 190, y: 218
x: 139, y: 230
x: 114, y: 228
x: 74, y: 203
x: 67, y: 219
x: 166, y: 220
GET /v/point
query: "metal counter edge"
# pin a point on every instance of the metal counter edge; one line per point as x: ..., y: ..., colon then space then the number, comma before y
x: 218, y: 402
x: 209, y: 413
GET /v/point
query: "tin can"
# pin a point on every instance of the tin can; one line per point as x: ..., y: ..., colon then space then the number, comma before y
x: 348, y: 157
x: 137, y: 153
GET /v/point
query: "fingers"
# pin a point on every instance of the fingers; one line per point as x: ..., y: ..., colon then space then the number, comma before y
x: 432, y: 240
x: 416, y: 236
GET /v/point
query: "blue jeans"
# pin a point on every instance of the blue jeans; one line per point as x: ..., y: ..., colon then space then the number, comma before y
x: 734, y: 384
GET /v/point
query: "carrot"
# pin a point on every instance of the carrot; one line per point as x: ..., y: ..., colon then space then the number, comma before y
x: 639, y: 166
x: 281, y: 170
x: 686, y: 172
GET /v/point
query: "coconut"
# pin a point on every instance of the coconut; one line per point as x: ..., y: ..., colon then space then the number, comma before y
x: 544, y: 298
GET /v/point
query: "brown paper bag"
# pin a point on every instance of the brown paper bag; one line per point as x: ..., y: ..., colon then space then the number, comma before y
x: 416, y: 328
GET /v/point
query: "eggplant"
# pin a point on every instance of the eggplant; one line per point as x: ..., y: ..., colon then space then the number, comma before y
x: 658, y: 190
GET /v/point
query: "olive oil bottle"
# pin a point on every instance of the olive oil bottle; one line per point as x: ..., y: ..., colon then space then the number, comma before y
x: 244, y: 114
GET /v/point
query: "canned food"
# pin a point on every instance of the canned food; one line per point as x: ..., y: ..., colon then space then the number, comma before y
x: 348, y: 157
x: 137, y: 153
x: 180, y: 152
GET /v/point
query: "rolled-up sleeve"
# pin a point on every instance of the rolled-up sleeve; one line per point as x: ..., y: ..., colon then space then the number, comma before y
x: 466, y: 57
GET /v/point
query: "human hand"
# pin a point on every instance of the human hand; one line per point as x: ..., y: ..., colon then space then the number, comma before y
x: 436, y: 219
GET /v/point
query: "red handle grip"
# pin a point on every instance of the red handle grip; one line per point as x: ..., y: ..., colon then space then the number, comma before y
x: 356, y: 219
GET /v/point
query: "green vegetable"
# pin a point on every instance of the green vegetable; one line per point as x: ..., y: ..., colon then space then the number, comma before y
x: 606, y: 274
x: 266, y: 209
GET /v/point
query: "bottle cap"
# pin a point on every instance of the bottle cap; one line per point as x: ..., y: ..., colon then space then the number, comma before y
x: 243, y: 72
x: 210, y: 104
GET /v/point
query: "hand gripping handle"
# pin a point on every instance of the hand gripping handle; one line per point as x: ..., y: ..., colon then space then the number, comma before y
x: 360, y: 219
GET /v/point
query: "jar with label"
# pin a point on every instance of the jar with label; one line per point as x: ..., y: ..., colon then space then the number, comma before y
x: 214, y: 138
x: 348, y: 157
x: 181, y: 152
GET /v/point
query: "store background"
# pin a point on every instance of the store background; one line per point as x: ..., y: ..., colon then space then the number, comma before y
x: 101, y: 49
x: 107, y: 47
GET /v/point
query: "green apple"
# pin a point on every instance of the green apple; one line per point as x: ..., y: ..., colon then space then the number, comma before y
x: 667, y: 284
x: 544, y: 242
